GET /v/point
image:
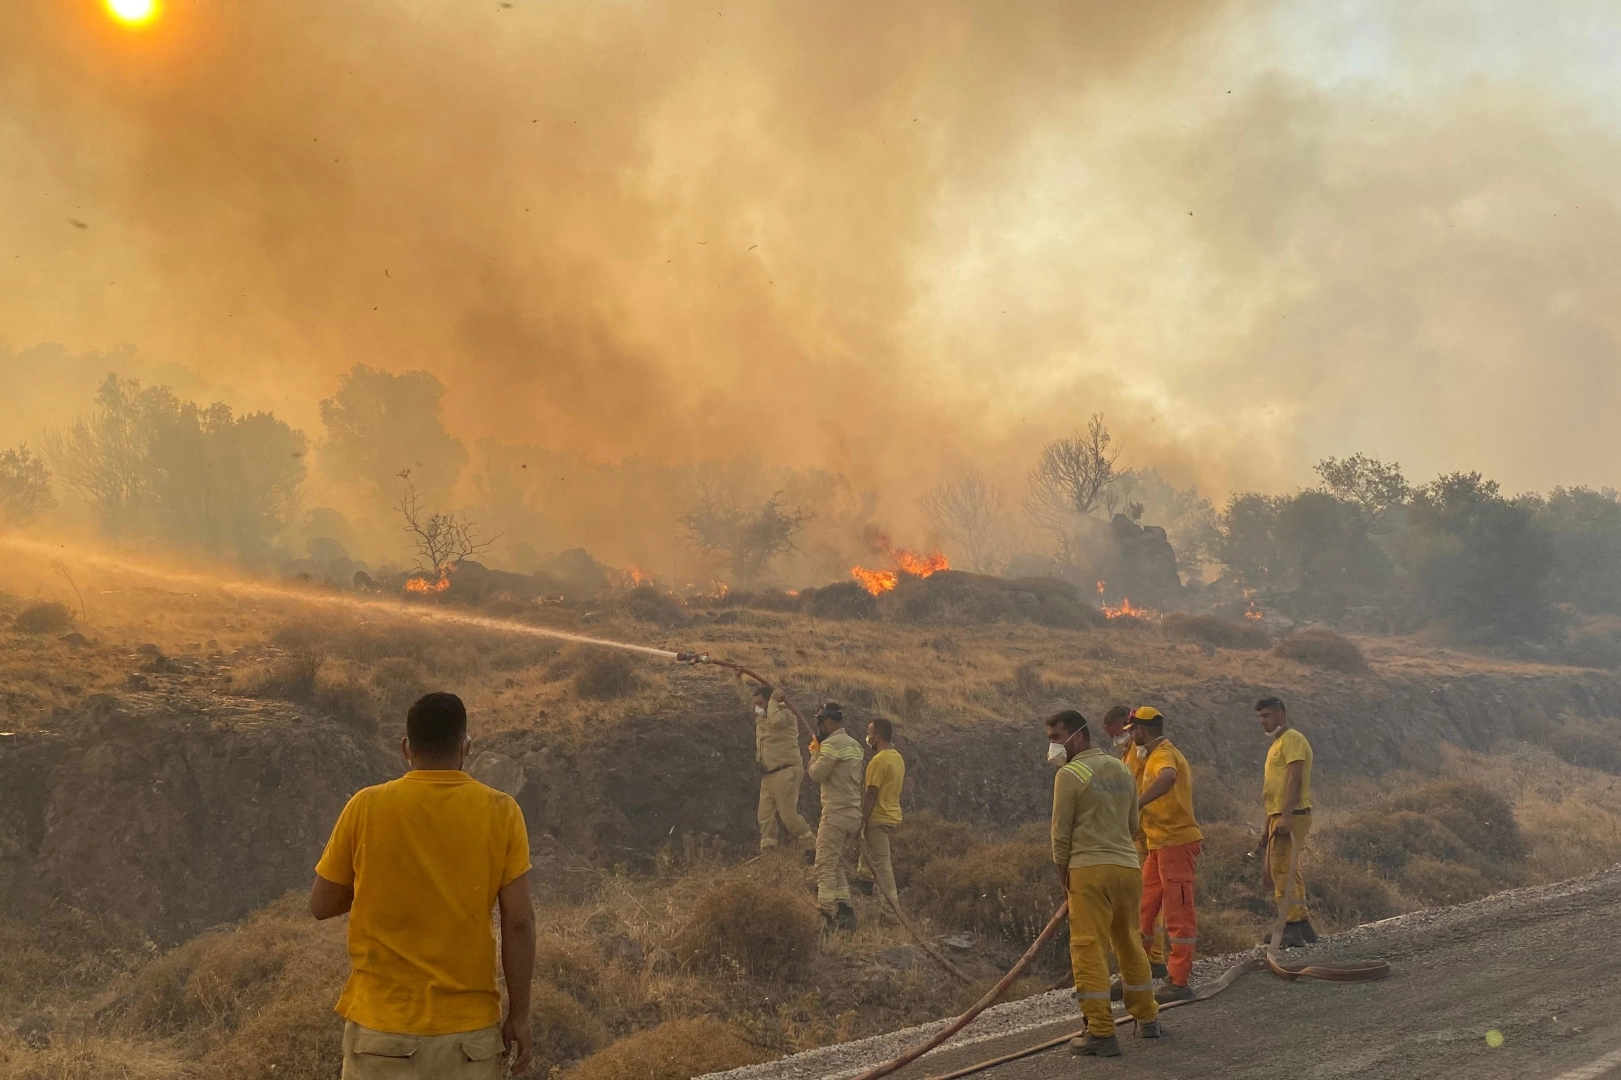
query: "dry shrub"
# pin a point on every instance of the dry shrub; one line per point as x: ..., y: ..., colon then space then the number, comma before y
x: 1212, y: 799
x: 1387, y: 839
x: 922, y: 837
x: 285, y: 678
x: 1342, y: 893
x: 1223, y: 931
x: 46, y: 617
x: 1322, y: 648
x: 1008, y: 889
x: 1588, y: 743
x: 674, y: 1050
x: 774, y: 600
x: 745, y: 928
x: 242, y: 979
x: 1227, y: 876
x: 294, y: 1033
x: 65, y: 949
x: 563, y: 1029
x: 1475, y: 814
x: 841, y: 600
x: 1213, y: 630
x: 569, y: 967
x: 87, y: 1058
x: 599, y: 674
x: 1435, y: 882
x: 398, y: 681
x: 1571, y: 837
x: 648, y: 604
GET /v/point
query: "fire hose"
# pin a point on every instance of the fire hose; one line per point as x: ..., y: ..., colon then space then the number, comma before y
x: 893, y: 902
x: 1361, y: 971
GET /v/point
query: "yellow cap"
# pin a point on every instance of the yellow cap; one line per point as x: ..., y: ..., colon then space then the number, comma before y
x: 1143, y: 712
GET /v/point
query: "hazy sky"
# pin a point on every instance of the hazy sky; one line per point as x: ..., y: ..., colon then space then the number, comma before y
x: 885, y: 239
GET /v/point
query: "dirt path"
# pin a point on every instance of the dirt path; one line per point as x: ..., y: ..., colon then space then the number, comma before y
x: 1536, y: 965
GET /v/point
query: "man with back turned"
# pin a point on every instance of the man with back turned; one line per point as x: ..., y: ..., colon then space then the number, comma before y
x: 418, y: 863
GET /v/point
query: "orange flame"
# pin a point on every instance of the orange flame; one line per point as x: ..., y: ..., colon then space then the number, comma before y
x: 911, y: 563
x: 423, y: 585
x: 1128, y: 608
x: 1254, y: 612
x: 636, y: 575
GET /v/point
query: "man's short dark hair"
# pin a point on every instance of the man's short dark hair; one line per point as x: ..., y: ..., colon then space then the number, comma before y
x: 1069, y: 719
x: 885, y: 729
x: 1270, y: 703
x: 437, y: 723
x: 1116, y: 712
x: 831, y: 711
x: 762, y: 690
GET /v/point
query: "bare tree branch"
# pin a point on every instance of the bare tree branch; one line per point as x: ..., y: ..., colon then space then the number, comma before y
x: 967, y: 511
x: 441, y: 539
x: 1074, y: 477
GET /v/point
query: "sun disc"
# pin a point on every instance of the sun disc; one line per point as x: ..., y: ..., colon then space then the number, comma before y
x: 133, y: 12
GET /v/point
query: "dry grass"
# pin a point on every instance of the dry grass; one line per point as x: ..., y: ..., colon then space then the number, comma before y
x: 1218, y: 632
x: 93, y: 1057
x: 744, y: 928
x: 1316, y: 647
x: 674, y: 1050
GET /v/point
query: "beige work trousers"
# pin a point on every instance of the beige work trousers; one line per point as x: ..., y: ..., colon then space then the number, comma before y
x: 881, y: 869
x: 779, y: 798
x: 386, y: 1055
x: 837, y: 830
x: 1299, y: 833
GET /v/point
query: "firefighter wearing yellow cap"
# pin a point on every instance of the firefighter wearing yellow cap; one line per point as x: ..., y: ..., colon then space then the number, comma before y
x: 1094, y: 818
x: 1122, y: 744
x: 1172, y: 837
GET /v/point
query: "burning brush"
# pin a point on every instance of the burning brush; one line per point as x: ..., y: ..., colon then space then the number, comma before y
x: 908, y: 562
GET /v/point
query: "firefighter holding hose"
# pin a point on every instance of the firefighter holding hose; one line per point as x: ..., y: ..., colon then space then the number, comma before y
x: 776, y: 751
x: 1094, y: 819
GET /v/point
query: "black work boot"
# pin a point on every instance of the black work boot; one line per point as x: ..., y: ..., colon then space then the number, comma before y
x: 1172, y: 992
x: 1159, y: 971
x: 1117, y: 991
x: 864, y: 885
x: 1089, y: 1045
x: 1149, y: 1029
x: 1307, y: 931
x: 1294, y: 934
x: 845, y: 918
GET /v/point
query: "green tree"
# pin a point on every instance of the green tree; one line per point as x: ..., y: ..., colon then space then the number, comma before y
x: 25, y: 486
x: 379, y: 424
x: 747, y: 540
x: 149, y: 464
x: 1584, y: 531
x: 1488, y: 564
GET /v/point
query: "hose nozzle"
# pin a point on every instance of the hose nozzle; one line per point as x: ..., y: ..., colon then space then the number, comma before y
x: 691, y: 658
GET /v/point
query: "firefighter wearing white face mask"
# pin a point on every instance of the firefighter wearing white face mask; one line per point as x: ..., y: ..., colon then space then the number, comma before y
x: 776, y: 751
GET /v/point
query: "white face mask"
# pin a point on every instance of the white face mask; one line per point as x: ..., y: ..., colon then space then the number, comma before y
x: 1056, y: 754
x: 1122, y: 739
x: 759, y: 710
x: 1142, y: 752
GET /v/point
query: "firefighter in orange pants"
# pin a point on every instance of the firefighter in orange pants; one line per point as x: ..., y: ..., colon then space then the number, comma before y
x: 1094, y: 818
x: 1172, y: 836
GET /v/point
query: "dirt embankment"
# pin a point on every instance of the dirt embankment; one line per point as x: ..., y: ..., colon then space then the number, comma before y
x: 175, y: 812
x: 183, y: 811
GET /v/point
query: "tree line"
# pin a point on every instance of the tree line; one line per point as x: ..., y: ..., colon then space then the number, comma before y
x: 149, y: 466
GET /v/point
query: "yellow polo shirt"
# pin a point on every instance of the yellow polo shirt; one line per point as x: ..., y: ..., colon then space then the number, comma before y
x: 886, y: 772
x: 426, y: 855
x: 1168, y: 820
x: 1289, y: 747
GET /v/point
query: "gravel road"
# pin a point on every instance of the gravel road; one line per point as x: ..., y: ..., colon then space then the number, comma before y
x: 1539, y: 966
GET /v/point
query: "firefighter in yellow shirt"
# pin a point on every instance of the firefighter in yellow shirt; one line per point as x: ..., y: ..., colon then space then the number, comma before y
x: 1122, y: 744
x: 1094, y: 818
x: 1286, y: 798
x: 881, y: 805
x: 1172, y: 838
